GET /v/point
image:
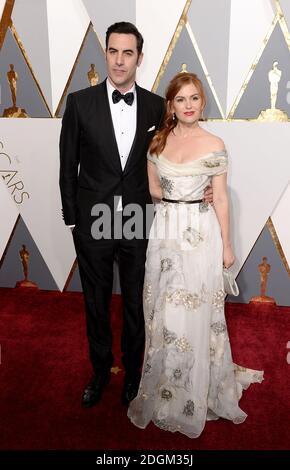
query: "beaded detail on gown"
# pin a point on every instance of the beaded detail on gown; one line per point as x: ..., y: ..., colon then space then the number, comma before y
x: 188, y: 374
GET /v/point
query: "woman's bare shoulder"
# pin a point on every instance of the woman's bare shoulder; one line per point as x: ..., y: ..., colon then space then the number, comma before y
x: 214, y: 141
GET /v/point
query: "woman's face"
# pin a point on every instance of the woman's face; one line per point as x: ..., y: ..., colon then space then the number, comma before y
x: 187, y: 104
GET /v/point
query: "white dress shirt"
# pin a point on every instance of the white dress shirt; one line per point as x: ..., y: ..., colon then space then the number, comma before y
x: 124, y: 119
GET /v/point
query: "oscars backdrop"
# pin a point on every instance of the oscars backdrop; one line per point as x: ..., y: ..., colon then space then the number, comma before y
x: 240, y: 50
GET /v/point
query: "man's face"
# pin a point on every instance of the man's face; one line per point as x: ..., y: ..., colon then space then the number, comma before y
x: 122, y: 60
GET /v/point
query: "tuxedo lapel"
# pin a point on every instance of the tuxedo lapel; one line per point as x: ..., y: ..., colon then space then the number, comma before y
x: 140, y: 126
x: 108, y: 127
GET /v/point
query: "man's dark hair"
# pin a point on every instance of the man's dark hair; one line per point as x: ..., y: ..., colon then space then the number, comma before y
x: 125, y: 28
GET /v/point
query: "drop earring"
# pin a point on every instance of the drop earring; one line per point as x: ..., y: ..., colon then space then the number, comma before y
x: 173, y: 116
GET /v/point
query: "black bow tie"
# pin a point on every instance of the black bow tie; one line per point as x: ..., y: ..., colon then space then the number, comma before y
x: 128, y: 97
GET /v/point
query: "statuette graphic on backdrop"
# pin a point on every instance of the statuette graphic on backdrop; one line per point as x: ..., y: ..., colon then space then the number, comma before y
x: 93, y: 75
x: 264, y: 269
x: 273, y: 113
x: 24, y: 256
x: 14, y: 111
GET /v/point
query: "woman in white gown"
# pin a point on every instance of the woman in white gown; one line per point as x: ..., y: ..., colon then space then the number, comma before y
x: 188, y: 375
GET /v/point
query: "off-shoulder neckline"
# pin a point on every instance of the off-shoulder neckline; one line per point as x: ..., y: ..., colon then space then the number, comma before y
x: 215, y: 152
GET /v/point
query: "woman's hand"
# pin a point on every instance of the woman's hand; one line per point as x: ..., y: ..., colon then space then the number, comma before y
x: 208, y: 195
x: 228, y: 257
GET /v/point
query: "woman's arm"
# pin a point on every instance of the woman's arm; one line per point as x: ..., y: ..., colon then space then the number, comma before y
x: 221, y: 206
x: 154, y: 181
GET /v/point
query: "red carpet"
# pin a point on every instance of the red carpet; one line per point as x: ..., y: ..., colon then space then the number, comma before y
x: 44, y: 367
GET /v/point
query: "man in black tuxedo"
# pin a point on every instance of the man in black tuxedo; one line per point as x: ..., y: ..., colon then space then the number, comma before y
x: 106, y: 131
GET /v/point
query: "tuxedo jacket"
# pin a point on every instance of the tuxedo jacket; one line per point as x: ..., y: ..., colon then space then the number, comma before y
x: 90, y: 167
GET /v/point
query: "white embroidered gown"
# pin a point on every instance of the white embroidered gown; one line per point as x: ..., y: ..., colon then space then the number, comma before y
x: 188, y: 375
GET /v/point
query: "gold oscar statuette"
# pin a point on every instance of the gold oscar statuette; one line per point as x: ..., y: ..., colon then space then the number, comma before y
x: 14, y: 111
x: 264, y: 269
x: 183, y: 68
x: 24, y: 256
x: 93, y: 75
x: 273, y: 113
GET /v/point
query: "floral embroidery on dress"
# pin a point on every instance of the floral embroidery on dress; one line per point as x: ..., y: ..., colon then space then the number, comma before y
x: 178, y: 366
x: 192, y: 236
x: 177, y: 374
x: 147, y: 292
x: 183, y: 345
x: 203, y: 207
x: 166, y: 264
x: 189, y: 408
x: 184, y: 297
x: 147, y: 368
x: 166, y: 394
x: 169, y: 336
x: 151, y: 315
x: 218, y: 299
x: 166, y: 184
x: 211, y: 163
x: 218, y: 327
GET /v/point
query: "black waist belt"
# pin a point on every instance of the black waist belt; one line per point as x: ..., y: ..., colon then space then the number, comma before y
x: 197, y: 201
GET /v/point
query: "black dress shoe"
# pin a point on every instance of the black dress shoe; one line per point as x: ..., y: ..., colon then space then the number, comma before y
x: 93, y: 391
x: 130, y: 389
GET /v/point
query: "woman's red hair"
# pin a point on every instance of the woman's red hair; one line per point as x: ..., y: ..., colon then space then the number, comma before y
x: 177, y: 82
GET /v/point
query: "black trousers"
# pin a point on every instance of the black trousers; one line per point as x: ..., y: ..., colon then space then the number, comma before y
x: 96, y: 261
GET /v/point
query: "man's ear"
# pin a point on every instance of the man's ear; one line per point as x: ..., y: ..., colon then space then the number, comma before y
x: 140, y: 58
